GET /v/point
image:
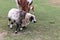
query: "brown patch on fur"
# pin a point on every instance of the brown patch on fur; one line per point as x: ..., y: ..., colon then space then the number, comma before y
x: 25, y: 5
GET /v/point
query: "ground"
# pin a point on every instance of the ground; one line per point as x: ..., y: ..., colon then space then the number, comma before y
x: 55, y: 2
x: 47, y: 13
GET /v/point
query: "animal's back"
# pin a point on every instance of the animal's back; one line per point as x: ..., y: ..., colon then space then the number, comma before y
x: 13, y: 13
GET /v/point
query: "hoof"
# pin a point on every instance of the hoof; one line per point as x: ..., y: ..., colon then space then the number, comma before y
x: 24, y: 27
x: 21, y: 29
x: 16, y: 32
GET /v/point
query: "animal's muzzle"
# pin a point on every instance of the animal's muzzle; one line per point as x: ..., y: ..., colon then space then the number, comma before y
x: 34, y: 21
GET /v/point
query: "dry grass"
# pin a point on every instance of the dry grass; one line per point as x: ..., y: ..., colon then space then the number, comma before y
x: 55, y: 2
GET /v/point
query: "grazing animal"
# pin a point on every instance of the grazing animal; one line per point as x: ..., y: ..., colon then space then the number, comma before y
x: 25, y: 5
x: 20, y: 18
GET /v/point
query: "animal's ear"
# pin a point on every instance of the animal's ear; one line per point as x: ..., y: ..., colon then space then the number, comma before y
x: 31, y: 18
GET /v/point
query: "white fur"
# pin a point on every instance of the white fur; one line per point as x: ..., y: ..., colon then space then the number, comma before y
x: 14, y: 15
x: 29, y: 1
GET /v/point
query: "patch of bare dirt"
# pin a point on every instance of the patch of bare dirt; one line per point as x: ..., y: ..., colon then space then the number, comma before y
x: 55, y: 2
x: 2, y: 34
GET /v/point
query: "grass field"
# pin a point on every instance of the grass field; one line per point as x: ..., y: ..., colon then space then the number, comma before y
x: 47, y: 13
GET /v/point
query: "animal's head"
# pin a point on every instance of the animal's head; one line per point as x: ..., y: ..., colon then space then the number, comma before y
x: 31, y: 17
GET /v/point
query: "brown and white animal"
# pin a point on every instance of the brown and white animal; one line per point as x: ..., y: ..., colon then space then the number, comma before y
x: 25, y: 5
x: 15, y: 16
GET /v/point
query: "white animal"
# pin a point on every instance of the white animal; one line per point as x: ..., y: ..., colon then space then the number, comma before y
x: 14, y: 17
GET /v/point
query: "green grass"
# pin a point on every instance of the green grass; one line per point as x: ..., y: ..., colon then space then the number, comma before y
x: 46, y: 28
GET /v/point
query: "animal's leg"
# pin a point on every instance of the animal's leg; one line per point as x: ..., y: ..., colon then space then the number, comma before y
x: 20, y: 28
x: 17, y: 28
x: 11, y: 24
